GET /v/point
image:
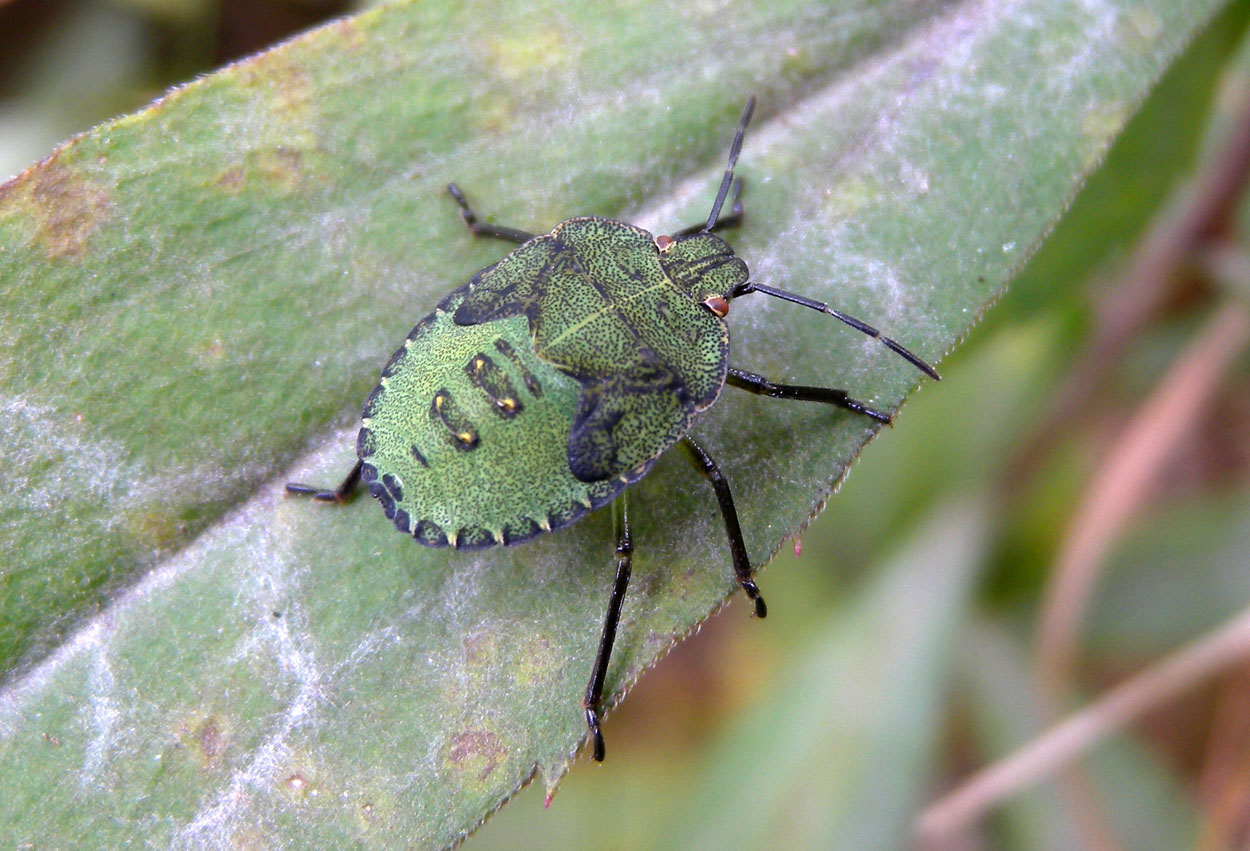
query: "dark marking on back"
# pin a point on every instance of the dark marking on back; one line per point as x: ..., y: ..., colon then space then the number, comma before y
x: 531, y: 383
x: 372, y: 401
x: 474, y: 538
x: 400, y: 354
x: 523, y: 530
x: 563, y: 515
x: 393, y: 486
x: 402, y: 521
x: 429, y: 533
x: 455, y: 294
x: 416, y: 453
x: 366, y: 443
x: 486, y: 375
x: 461, y: 432
x: 417, y: 329
x: 378, y: 492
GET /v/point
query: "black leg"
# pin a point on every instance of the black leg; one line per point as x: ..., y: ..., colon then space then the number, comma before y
x: 737, y: 547
x: 732, y: 220
x: 803, y: 393
x: 594, y: 688
x: 485, y: 228
x: 343, y: 493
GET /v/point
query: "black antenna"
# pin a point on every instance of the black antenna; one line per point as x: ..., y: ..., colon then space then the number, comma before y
x: 734, y: 150
x: 862, y: 327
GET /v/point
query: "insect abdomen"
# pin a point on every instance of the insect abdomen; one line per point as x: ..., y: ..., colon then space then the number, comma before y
x: 465, y: 439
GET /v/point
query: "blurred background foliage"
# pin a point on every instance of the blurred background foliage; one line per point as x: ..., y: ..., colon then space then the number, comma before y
x: 1082, y: 473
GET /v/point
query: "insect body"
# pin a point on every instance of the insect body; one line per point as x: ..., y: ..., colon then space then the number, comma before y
x: 552, y: 380
x: 549, y: 382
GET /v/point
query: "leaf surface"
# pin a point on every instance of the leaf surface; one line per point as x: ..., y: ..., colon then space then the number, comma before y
x: 195, y: 299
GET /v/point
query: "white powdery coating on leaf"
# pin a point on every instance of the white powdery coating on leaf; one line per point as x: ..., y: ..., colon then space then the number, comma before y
x: 286, y: 639
x: 232, y: 810
x: 50, y: 454
x: 34, y: 434
x: 105, y: 717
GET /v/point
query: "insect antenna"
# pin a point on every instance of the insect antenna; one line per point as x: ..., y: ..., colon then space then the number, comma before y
x: 862, y: 327
x: 734, y: 150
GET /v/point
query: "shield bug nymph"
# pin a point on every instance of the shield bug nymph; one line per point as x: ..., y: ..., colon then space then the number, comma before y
x: 551, y: 381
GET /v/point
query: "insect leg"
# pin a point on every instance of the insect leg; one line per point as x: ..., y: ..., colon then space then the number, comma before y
x: 803, y: 393
x: 737, y: 547
x: 594, y: 688
x: 343, y: 493
x: 731, y: 220
x: 485, y: 228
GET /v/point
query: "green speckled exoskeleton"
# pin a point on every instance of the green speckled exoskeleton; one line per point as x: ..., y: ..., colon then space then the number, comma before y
x: 551, y: 381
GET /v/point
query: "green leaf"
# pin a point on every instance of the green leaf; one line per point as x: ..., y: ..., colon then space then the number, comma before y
x: 841, y: 755
x: 192, y: 296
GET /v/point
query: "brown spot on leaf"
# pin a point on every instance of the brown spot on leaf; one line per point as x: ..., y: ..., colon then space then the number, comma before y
x: 280, y: 167
x: 267, y: 169
x: 209, y: 353
x: 522, y: 53
x: 349, y: 31
x: 206, y: 740
x: 478, y: 752
x: 152, y: 529
x: 282, y: 152
x: 231, y: 180
x: 538, y: 662
x: 210, y: 739
x: 479, y: 648
x: 286, y: 82
x: 67, y: 207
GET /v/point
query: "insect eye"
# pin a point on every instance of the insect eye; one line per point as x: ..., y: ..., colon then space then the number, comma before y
x: 717, y: 305
x: 664, y: 242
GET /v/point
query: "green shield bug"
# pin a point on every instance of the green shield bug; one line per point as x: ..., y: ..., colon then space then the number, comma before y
x: 551, y: 381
